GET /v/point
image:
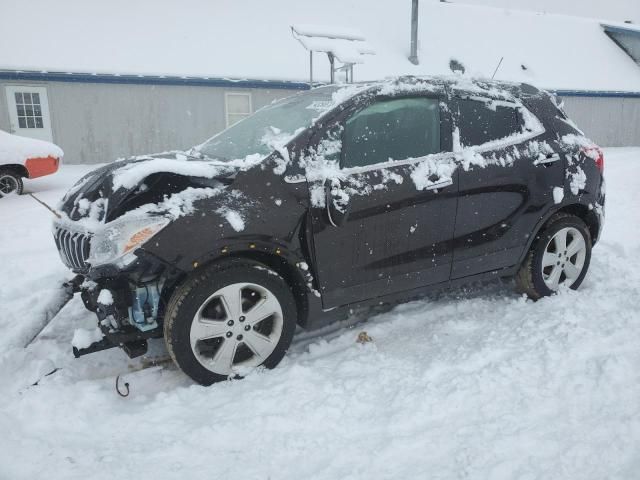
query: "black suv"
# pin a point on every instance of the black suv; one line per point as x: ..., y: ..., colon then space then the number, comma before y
x: 337, y: 197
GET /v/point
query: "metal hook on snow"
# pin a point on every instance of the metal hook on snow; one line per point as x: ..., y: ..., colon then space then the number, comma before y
x: 126, y: 386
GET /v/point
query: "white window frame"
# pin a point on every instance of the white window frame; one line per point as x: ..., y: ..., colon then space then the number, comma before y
x: 41, y: 133
x: 226, y: 105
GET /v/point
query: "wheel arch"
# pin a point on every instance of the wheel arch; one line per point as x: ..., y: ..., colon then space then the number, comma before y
x: 289, y: 270
x: 583, y: 212
x: 16, y: 168
x: 287, y: 266
x: 587, y: 215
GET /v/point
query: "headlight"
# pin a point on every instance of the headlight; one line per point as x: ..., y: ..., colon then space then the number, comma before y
x: 117, y: 241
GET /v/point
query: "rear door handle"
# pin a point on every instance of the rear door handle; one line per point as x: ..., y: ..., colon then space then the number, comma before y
x: 550, y: 159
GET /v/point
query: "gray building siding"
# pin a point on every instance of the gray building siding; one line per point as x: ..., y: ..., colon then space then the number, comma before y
x: 98, y: 122
x: 608, y: 121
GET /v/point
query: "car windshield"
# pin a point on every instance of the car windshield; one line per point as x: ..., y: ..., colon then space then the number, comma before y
x: 253, y: 134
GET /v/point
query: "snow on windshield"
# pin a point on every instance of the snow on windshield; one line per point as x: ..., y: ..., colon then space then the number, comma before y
x: 244, y: 144
x: 285, y: 116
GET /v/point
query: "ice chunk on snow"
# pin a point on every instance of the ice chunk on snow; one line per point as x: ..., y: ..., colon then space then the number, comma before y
x: 105, y: 297
x: 558, y: 195
x: 82, y: 338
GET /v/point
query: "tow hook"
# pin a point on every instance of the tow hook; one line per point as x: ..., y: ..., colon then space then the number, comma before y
x: 133, y: 349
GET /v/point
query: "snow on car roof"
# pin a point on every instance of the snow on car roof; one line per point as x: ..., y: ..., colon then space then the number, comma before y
x: 16, y: 150
x: 252, y: 40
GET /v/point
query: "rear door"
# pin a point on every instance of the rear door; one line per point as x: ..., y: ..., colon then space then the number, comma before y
x: 509, y: 170
x: 393, y: 200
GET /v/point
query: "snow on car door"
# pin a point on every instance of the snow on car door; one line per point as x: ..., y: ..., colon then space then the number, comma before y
x: 395, y: 233
x: 503, y: 187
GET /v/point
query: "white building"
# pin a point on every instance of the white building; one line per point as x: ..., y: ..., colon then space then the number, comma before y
x: 106, y: 80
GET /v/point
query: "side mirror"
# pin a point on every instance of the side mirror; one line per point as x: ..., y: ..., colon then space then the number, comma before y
x: 337, y: 210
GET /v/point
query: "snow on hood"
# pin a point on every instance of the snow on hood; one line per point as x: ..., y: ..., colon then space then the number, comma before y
x: 16, y: 150
x: 131, y: 174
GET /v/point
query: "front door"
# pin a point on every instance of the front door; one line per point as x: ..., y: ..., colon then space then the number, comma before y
x: 29, y: 112
x: 395, y: 200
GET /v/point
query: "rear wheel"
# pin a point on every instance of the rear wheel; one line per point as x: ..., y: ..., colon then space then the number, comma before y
x: 560, y: 256
x: 10, y: 183
x: 228, y: 319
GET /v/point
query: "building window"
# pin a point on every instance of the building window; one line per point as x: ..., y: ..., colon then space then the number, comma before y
x: 237, y: 106
x: 29, y: 110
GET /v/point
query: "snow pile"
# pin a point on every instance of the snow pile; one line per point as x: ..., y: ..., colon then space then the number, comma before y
x: 16, y: 150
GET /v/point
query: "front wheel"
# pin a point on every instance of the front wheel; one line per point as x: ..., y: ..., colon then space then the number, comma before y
x: 10, y: 183
x: 228, y: 319
x: 560, y: 256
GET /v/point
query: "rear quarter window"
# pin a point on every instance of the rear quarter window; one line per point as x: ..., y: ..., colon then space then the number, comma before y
x: 481, y: 122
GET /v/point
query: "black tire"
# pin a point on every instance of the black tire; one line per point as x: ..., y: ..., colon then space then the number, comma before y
x: 530, y: 278
x: 10, y: 183
x: 195, y: 294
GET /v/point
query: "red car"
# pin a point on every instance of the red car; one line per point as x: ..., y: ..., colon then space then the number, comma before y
x: 22, y: 157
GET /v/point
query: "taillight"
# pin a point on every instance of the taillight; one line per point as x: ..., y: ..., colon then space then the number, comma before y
x: 597, y: 155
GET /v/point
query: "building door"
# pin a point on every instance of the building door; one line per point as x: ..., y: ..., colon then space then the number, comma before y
x: 29, y: 112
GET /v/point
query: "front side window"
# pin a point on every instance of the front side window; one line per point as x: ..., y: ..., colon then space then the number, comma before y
x: 392, y: 130
x: 482, y: 122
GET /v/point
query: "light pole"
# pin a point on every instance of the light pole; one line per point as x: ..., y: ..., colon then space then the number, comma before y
x: 413, y: 57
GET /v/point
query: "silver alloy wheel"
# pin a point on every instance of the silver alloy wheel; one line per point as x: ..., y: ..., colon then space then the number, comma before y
x: 8, y: 185
x: 563, y: 258
x: 237, y: 327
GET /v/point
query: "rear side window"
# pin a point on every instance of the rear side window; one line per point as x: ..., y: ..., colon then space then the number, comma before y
x: 481, y: 122
x: 392, y: 130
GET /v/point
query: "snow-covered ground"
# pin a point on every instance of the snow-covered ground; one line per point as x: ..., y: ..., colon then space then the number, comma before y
x: 475, y: 383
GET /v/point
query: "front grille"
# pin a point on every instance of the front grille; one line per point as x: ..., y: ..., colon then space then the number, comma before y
x: 74, y: 248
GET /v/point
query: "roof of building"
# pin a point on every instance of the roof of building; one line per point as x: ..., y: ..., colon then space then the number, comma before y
x: 252, y: 40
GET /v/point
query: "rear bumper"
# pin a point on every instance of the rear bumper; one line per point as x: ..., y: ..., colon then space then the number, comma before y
x: 39, y: 167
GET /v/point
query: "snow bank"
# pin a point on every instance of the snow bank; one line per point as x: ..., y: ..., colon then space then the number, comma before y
x: 32, y: 272
x: 16, y: 150
x: 477, y: 383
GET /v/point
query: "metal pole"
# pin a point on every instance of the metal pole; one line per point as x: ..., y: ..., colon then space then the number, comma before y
x: 311, y: 68
x: 413, y: 57
x: 333, y: 73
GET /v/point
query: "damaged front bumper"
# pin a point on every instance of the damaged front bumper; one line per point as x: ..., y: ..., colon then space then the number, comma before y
x: 128, y: 305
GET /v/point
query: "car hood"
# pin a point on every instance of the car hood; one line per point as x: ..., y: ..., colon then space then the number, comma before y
x: 111, y: 190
